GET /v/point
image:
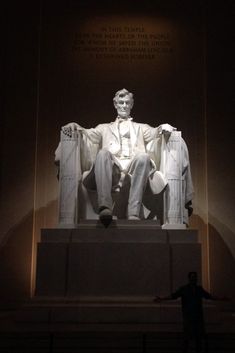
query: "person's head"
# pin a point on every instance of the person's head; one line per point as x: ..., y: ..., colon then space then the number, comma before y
x: 192, y: 277
x: 123, y: 101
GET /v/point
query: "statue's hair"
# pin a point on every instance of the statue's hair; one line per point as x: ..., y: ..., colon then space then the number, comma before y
x: 122, y: 93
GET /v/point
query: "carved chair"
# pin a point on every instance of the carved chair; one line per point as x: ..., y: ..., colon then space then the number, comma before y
x: 170, y: 154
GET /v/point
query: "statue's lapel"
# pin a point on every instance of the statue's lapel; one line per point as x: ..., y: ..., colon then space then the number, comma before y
x: 114, y: 129
x: 134, y: 131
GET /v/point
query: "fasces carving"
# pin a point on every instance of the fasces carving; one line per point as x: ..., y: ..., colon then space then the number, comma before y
x: 175, y: 167
x: 70, y: 176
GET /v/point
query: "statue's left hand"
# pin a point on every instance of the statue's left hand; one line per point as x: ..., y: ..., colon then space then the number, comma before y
x: 166, y: 129
x: 70, y: 128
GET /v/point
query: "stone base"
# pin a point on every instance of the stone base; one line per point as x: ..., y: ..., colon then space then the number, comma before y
x: 126, y: 259
x: 93, y: 274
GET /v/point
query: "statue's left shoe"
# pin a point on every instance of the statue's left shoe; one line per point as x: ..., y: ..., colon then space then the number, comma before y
x: 105, y: 216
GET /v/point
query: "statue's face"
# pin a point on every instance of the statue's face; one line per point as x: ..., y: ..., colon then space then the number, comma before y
x: 123, y: 106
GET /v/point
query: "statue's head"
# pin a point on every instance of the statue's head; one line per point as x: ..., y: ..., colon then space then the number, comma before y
x: 123, y: 102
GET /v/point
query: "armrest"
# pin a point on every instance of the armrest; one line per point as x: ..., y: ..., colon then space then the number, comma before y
x: 70, y: 176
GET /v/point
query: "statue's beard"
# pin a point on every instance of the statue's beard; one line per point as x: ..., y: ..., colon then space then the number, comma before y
x: 123, y: 114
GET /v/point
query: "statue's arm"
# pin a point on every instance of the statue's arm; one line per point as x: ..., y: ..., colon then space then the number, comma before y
x: 90, y: 142
x: 164, y: 129
x: 93, y: 134
x: 70, y: 128
x: 150, y: 133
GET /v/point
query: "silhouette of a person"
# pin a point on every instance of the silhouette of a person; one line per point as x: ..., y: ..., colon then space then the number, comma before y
x: 191, y: 296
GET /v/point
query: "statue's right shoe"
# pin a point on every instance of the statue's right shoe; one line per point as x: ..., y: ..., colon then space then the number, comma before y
x: 133, y: 218
x: 105, y: 215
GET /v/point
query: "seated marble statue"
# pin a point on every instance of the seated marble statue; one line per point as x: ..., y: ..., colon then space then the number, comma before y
x: 112, y: 151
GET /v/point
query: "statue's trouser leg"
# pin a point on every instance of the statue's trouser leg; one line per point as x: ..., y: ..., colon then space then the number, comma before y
x: 140, y: 169
x: 103, y: 177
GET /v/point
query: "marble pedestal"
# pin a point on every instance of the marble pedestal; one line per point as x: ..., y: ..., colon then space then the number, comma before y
x: 94, y: 274
x: 124, y: 260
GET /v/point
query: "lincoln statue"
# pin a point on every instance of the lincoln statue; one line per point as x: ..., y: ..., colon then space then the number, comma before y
x: 123, y: 152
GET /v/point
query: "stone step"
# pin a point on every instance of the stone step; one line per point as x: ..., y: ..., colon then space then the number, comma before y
x: 106, y: 342
x: 120, y: 231
x: 85, y: 311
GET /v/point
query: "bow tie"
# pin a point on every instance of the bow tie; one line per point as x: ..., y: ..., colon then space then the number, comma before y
x: 123, y: 119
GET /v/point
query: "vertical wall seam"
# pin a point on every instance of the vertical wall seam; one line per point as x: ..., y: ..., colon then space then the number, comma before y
x: 205, y: 88
x: 33, y: 253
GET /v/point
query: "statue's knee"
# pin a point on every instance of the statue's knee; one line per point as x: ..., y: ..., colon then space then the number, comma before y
x: 103, y: 153
x: 143, y: 158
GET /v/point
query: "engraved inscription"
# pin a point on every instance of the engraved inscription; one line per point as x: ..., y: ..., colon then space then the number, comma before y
x: 122, y: 42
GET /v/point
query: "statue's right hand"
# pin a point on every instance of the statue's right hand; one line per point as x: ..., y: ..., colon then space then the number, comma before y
x: 70, y: 128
